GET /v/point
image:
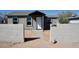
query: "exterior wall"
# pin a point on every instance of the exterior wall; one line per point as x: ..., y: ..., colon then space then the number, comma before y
x: 47, y: 23
x: 66, y: 34
x: 11, y: 33
x: 74, y: 21
x: 34, y: 24
x: 23, y: 20
x: 10, y: 21
x: 42, y: 22
x: 34, y: 21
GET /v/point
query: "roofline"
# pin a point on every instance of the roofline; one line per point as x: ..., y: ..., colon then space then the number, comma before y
x: 26, y: 15
x: 73, y: 17
x: 16, y: 15
x: 52, y: 16
x: 37, y: 11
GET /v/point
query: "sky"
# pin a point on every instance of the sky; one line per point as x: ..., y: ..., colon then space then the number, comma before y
x: 47, y: 12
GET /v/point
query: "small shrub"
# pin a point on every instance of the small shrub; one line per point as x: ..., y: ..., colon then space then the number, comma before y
x: 63, y: 21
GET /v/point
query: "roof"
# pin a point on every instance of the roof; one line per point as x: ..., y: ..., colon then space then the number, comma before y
x: 73, y: 18
x: 52, y: 16
x: 22, y: 13
x: 37, y: 12
x: 18, y: 13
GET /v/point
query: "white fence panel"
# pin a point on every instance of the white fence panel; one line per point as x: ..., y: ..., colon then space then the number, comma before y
x: 11, y: 33
x: 66, y: 33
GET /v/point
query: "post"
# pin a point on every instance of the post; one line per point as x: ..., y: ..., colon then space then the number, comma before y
x: 43, y: 22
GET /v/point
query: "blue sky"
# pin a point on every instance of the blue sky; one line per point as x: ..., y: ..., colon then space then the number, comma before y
x: 48, y: 12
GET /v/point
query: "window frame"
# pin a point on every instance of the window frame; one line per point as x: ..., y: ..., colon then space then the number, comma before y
x: 30, y: 21
x: 15, y: 21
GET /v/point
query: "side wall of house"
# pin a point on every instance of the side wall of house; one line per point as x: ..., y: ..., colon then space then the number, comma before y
x: 10, y: 21
x: 46, y: 23
x: 34, y: 24
x: 22, y: 20
x: 43, y: 22
x: 74, y: 21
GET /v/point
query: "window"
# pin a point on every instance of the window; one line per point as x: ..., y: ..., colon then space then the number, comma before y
x: 29, y: 21
x: 15, y: 20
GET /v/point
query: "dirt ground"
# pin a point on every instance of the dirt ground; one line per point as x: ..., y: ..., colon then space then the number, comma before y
x: 37, y: 43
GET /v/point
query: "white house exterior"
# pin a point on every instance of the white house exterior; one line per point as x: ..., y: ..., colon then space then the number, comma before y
x: 74, y: 19
x: 31, y: 20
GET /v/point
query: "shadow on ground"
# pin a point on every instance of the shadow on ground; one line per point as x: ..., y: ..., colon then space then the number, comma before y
x: 30, y: 39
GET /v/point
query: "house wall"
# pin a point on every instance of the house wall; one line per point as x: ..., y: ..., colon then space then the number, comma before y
x: 47, y: 22
x: 34, y: 21
x: 23, y: 20
x: 43, y: 22
x: 11, y: 33
x: 10, y: 21
x: 74, y: 21
x: 34, y: 24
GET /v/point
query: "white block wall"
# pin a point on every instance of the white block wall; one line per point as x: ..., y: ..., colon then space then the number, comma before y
x: 66, y: 33
x: 74, y: 21
x: 11, y: 33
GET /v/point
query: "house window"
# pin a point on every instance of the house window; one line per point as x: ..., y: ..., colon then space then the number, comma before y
x: 15, y: 20
x: 29, y: 21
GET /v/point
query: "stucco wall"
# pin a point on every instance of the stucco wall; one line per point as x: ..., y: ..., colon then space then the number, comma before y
x: 34, y: 24
x: 11, y: 33
x: 67, y: 34
x: 74, y: 21
x: 23, y: 20
x: 10, y: 21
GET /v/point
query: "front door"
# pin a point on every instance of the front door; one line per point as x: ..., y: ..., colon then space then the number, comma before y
x: 38, y: 22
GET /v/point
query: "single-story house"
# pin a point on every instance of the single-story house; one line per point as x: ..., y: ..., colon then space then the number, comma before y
x: 74, y: 19
x: 32, y: 20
